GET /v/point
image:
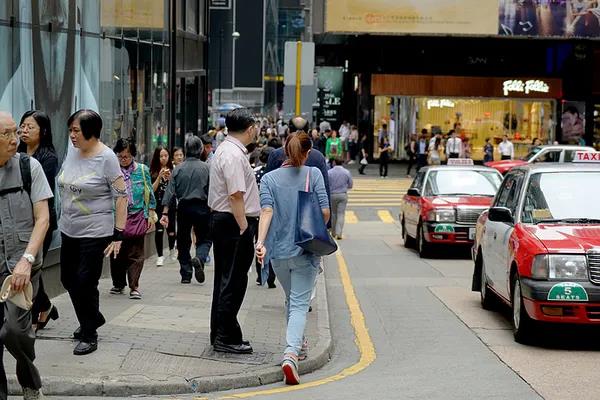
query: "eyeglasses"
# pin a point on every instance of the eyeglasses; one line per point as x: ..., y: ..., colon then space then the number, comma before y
x: 124, y: 157
x: 9, y: 134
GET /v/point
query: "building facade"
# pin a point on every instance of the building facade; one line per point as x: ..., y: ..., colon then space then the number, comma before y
x: 113, y: 56
x: 524, y: 69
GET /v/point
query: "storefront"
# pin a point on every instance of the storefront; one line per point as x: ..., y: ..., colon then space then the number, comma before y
x: 476, y: 107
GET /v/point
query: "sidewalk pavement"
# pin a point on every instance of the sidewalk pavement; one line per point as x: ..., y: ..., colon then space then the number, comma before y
x: 160, y: 344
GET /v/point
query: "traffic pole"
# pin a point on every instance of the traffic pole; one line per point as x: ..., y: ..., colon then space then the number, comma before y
x: 298, y: 76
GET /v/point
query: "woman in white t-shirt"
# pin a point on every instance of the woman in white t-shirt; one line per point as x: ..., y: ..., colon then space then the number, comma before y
x: 90, y: 182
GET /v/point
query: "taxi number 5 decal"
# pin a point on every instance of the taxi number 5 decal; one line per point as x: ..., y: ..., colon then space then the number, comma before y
x: 567, y: 291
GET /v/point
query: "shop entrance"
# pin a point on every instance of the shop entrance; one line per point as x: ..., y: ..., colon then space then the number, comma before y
x: 476, y: 108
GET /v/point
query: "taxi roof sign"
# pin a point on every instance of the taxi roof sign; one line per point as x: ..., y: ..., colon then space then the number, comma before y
x: 460, y: 161
x: 587, y: 157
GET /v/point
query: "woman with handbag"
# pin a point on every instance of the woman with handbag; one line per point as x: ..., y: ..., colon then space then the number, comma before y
x: 141, y: 216
x: 278, y: 232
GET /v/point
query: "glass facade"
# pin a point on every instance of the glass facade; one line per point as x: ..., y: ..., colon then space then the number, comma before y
x: 474, y: 118
x: 111, y: 56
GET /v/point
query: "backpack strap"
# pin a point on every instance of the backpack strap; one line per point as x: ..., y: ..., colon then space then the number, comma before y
x: 25, y: 165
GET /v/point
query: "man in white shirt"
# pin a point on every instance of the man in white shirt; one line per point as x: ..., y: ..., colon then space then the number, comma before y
x: 453, y: 146
x: 506, y: 148
x: 234, y: 201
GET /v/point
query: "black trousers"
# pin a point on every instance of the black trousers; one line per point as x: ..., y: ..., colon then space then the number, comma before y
x: 411, y: 162
x: 80, y: 271
x: 19, y: 339
x: 192, y: 215
x: 383, y: 166
x: 233, y: 258
x: 160, y: 232
x: 421, y: 161
x: 42, y: 301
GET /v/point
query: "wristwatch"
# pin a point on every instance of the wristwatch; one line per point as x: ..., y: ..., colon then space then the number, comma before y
x: 29, y: 257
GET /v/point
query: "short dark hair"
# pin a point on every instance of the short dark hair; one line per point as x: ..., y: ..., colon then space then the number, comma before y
x: 239, y: 119
x: 42, y: 119
x: 125, y: 144
x: 193, y: 147
x: 336, y: 161
x: 90, y: 122
x: 298, y: 123
x: 206, y: 139
x: 264, y: 154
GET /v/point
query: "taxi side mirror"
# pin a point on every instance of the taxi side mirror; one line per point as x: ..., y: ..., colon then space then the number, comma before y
x: 501, y: 214
x: 414, y: 192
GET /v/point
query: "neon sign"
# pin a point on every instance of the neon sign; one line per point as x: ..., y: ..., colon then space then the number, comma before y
x: 439, y: 103
x: 532, y: 85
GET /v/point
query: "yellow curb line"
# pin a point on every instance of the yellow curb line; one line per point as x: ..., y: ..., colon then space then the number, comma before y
x: 361, y: 338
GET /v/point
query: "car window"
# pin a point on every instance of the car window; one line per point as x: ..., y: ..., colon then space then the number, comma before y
x: 418, y: 182
x: 508, y: 195
x: 548, y: 156
x: 570, y: 155
x: 452, y: 182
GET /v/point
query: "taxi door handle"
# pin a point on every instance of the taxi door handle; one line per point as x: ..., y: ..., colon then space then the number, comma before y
x: 495, y: 235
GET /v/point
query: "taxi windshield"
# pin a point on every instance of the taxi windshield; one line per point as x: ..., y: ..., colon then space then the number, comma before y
x: 562, y: 197
x: 462, y: 182
x: 532, y: 153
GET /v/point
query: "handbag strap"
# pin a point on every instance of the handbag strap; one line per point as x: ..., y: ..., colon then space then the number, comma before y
x: 307, y: 186
x: 146, y: 190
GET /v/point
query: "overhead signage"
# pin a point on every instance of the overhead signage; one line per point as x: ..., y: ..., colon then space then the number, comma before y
x: 439, y: 103
x: 219, y: 4
x: 587, y: 156
x: 413, y: 16
x: 527, y: 87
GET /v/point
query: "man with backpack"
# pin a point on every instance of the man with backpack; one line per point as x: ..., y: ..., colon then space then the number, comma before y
x: 24, y: 220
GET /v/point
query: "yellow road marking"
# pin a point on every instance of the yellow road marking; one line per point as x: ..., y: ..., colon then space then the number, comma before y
x: 361, y: 335
x: 351, y: 217
x: 385, y: 216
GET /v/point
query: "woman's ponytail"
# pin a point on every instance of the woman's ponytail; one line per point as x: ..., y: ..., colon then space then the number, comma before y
x: 297, y: 146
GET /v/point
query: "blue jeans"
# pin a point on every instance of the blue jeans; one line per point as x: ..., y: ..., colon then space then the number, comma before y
x: 297, y: 277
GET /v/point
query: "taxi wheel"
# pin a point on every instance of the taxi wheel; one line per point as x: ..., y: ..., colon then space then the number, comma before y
x: 488, y: 300
x: 423, y: 247
x: 408, y: 241
x: 523, y: 325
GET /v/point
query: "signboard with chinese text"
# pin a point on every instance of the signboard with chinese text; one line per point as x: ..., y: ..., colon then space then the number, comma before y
x: 478, y: 17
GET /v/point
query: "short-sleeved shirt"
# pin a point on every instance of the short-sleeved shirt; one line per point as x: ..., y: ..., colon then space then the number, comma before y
x: 230, y: 173
x: 40, y: 188
x: 87, y: 191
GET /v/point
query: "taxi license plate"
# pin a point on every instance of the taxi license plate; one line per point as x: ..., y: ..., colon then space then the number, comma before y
x: 471, y: 233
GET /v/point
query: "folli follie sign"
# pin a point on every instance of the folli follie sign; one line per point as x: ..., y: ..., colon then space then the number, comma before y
x: 459, y: 86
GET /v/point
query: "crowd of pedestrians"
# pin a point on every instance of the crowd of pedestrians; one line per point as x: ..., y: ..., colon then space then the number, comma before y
x: 233, y: 189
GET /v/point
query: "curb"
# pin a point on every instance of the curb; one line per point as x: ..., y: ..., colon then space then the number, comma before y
x: 134, y: 384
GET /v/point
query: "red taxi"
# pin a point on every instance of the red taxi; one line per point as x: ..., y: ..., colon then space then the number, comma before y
x: 537, y: 248
x: 443, y: 204
x: 540, y: 154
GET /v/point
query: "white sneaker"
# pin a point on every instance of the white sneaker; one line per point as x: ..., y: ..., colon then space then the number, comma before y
x: 160, y: 261
x: 173, y: 255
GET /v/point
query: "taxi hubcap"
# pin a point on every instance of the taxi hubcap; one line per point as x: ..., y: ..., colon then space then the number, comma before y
x: 517, y: 305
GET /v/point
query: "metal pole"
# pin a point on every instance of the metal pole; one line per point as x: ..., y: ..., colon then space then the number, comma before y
x: 298, y: 76
x: 220, y: 60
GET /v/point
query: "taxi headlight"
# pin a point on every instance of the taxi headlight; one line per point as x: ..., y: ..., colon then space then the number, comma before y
x: 567, y: 267
x: 557, y: 266
x: 442, y: 215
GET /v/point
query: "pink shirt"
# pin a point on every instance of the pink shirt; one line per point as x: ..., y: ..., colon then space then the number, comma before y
x: 230, y: 172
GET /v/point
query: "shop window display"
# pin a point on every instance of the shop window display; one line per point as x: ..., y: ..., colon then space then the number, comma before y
x: 523, y: 120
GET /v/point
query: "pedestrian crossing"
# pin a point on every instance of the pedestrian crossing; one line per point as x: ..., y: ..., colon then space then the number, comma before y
x: 376, y: 199
x: 376, y: 192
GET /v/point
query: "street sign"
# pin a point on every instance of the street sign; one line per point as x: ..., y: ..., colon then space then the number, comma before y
x: 308, y: 97
x: 219, y: 4
x: 307, y: 64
